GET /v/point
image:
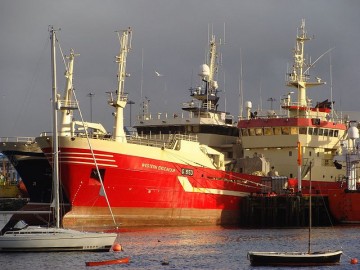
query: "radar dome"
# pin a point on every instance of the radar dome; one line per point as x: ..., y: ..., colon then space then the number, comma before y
x: 204, y: 70
x: 248, y: 104
x: 353, y: 132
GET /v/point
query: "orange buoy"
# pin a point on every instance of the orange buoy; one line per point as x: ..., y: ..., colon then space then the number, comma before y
x: 117, y: 247
x: 354, y: 261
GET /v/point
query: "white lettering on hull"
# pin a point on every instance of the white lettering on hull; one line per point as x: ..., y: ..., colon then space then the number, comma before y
x: 155, y: 167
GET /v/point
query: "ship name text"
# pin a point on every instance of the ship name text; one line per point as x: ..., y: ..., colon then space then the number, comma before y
x: 156, y: 167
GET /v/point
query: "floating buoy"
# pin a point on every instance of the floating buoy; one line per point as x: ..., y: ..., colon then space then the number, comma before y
x: 116, y: 261
x: 117, y: 247
x: 354, y: 261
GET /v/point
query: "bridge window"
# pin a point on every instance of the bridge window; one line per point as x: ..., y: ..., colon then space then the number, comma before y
x: 268, y: 131
x: 277, y: 131
x: 302, y: 130
x: 285, y: 130
x: 258, y: 131
x: 293, y: 130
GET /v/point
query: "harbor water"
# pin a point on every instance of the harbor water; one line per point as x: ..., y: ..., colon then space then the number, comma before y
x: 197, y: 248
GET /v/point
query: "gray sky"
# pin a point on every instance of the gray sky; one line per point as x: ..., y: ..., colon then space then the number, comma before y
x: 173, y: 38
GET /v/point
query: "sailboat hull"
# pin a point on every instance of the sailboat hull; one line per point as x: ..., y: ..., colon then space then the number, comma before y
x: 294, y: 258
x: 37, y: 239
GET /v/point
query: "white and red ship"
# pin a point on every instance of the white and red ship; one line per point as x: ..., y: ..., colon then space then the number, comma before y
x: 177, y: 181
x: 301, y: 140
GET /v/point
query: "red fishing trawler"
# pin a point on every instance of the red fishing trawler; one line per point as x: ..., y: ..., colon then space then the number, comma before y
x: 148, y: 180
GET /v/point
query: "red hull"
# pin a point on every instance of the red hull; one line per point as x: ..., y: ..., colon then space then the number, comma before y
x: 145, y: 192
x: 151, y: 192
x: 345, y: 205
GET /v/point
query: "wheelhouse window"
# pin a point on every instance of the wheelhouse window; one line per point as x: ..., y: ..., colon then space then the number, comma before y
x: 251, y: 132
x: 302, y: 130
x: 258, y: 131
x: 293, y: 130
x: 277, y: 130
x: 285, y: 130
x: 268, y: 131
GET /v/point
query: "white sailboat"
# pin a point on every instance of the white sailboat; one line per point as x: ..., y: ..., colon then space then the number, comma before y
x: 23, y: 238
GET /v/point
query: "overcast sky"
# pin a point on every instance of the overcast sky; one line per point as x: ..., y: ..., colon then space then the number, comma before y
x: 170, y: 37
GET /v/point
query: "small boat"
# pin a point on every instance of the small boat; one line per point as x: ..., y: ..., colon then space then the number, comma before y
x: 294, y: 258
x: 308, y: 258
x: 115, y: 261
x: 24, y: 238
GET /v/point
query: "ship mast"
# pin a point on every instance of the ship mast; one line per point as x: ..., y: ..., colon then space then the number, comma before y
x: 207, y: 93
x: 298, y: 77
x: 55, y: 145
x: 208, y: 77
x: 121, y: 98
x: 68, y: 106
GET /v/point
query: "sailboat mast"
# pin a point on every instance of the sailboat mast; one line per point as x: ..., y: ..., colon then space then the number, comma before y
x: 55, y: 148
x: 310, y: 212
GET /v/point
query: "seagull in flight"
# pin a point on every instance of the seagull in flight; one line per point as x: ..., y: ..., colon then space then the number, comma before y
x: 158, y: 74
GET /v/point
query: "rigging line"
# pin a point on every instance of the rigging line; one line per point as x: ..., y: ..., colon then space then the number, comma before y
x: 62, y: 55
x: 93, y: 155
x: 228, y: 174
x: 30, y: 89
x: 201, y: 167
x: 313, y: 63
